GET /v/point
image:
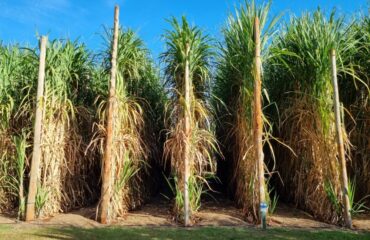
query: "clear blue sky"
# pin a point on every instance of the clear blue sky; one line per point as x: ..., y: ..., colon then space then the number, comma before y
x: 21, y: 20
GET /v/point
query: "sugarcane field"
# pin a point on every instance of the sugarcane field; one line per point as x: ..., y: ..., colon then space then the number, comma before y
x: 227, y: 119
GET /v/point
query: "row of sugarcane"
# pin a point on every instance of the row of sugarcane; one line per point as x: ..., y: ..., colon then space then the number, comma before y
x: 93, y: 145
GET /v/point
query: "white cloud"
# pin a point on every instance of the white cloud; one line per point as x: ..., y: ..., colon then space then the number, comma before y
x: 39, y: 12
x: 33, y: 11
x: 56, y: 18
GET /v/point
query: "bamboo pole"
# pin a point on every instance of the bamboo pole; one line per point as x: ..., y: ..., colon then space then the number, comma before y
x: 258, y: 122
x: 187, y: 134
x: 342, y: 159
x: 106, y: 183
x: 36, y: 155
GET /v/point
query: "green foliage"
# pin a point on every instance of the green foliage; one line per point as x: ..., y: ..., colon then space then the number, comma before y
x: 17, y: 182
x: 272, y: 200
x: 234, y: 80
x: 126, y: 174
x: 42, y: 195
x: 196, y: 190
x: 15, y: 67
x: 333, y: 196
x: 355, y: 207
x: 199, y: 57
x: 307, y: 70
x: 359, y: 206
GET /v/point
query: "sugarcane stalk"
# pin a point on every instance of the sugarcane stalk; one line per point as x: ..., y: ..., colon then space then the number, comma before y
x: 258, y: 122
x: 187, y: 135
x: 36, y: 155
x: 341, y: 152
x: 106, y: 190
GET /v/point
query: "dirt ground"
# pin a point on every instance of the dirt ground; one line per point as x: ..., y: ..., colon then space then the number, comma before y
x: 157, y: 214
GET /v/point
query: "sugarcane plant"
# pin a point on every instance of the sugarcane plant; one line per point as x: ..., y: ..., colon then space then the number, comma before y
x: 16, y: 182
x: 234, y: 100
x: 6, y: 110
x: 300, y: 83
x: 355, y: 96
x: 190, y: 141
x: 137, y: 105
x: 61, y: 145
x: 13, y: 69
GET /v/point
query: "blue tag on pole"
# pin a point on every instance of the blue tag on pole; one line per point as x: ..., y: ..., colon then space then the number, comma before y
x: 263, y: 207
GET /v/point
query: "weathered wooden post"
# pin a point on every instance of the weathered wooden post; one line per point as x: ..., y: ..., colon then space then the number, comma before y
x: 106, y: 165
x: 187, y: 134
x: 258, y: 125
x: 341, y: 152
x: 36, y: 155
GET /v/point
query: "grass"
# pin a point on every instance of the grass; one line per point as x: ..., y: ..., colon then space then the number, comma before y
x: 7, y: 232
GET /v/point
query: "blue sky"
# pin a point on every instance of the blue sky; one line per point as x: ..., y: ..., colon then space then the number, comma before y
x: 22, y: 20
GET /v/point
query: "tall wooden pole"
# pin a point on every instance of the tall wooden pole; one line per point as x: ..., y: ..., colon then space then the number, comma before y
x: 342, y: 159
x: 36, y: 155
x: 258, y: 122
x: 106, y: 183
x: 187, y: 134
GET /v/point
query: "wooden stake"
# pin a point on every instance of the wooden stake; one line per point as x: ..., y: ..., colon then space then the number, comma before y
x: 187, y: 134
x: 106, y: 183
x: 36, y: 155
x: 258, y: 122
x: 342, y: 159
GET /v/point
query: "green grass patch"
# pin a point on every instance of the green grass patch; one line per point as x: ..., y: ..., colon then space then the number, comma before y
x: 173, y: 233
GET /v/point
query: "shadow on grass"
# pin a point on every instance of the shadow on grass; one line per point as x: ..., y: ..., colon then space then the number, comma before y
x: 195, y: 233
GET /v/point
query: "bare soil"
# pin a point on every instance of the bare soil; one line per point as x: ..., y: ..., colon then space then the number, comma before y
x: 158, y: 214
